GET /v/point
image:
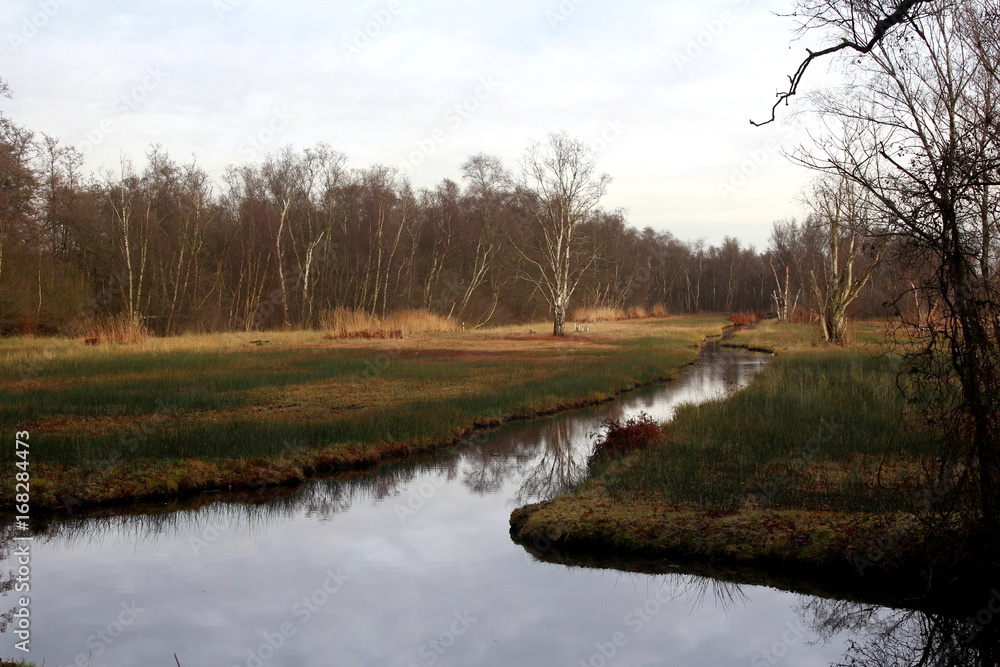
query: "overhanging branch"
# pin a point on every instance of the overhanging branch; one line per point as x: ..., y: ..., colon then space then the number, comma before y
x: 900, y: 14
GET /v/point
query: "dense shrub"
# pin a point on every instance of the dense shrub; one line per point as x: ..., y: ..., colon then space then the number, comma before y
x: 746, y: 319
x: 626, y: 436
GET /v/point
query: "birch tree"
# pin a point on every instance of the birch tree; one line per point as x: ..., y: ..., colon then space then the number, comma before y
x: 560, y: 189
x: 841, y: 213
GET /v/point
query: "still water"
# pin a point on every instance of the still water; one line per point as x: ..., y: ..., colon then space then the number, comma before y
x: 413, y: 566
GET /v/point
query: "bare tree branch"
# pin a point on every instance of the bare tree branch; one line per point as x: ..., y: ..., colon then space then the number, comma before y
x: 900, y: 14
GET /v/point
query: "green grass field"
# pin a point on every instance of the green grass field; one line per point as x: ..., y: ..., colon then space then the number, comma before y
x: 168, y: 416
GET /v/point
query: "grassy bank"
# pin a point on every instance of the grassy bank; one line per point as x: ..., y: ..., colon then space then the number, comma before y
x: 174, y: 416
x: 810, y: 466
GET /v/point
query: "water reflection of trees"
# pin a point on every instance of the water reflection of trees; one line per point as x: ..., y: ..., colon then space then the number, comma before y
x: 541, y: 456
x: 7, y: 579
x: 882, y: 637
x: 492, y: 462
x: 697, y: 591
x: 558, y: 466
x: 544, y: 458
x: 244, y: 515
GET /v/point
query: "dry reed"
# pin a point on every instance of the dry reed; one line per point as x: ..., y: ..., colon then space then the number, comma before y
x: 117, y: 330
x: 346, y: 323
x: 592, y: 314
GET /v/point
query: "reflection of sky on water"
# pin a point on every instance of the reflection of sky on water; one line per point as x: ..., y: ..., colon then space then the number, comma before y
x: 424, y: 552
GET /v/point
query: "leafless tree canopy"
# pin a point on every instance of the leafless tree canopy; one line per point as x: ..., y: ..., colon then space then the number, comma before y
x: 560, y: 189
x: 857, y: 26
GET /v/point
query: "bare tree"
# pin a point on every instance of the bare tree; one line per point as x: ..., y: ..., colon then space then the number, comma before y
x: 323, y: 169
x: 784, y: 303
x: 859, y: 27
x: 917, y: 133
x: 17, y: 181
x: 841, y: 212
x: 560, y: 189
x: 131, y: 229
x: 489, y: 183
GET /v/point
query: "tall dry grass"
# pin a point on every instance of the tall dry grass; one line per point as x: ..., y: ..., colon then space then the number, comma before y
x: 346, y: 323
x: 591, y: 314
x: 116, y: 329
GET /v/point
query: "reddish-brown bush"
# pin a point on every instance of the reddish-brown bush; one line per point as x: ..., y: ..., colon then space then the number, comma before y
x: 746, y: 319
x: 626, y: 436
x: 801, y: 316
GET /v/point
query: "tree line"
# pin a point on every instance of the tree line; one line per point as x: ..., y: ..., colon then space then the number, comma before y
x: 276, y: 242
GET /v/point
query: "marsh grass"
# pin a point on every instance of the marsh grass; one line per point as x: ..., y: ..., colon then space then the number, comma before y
x: 821, y: 428
x: 345, y: 323
x: 115, y: 330
x: 592, y: 314
x: 302, y: 400
x: 815, y: 464
x: 159, y: 418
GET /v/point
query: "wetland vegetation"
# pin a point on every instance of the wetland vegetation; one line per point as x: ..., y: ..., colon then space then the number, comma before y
x: 188, y: 414
x: 815, y: 466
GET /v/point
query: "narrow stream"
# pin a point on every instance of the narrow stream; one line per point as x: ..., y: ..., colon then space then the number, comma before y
x: 410, y: 566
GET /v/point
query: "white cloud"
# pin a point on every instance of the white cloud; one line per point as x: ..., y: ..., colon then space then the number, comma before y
x: 226, y: 78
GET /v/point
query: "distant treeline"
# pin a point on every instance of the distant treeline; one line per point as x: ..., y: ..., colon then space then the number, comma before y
x: 275, y: 243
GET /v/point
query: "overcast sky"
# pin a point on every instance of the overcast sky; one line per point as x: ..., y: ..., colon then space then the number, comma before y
x: 663, y: 90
